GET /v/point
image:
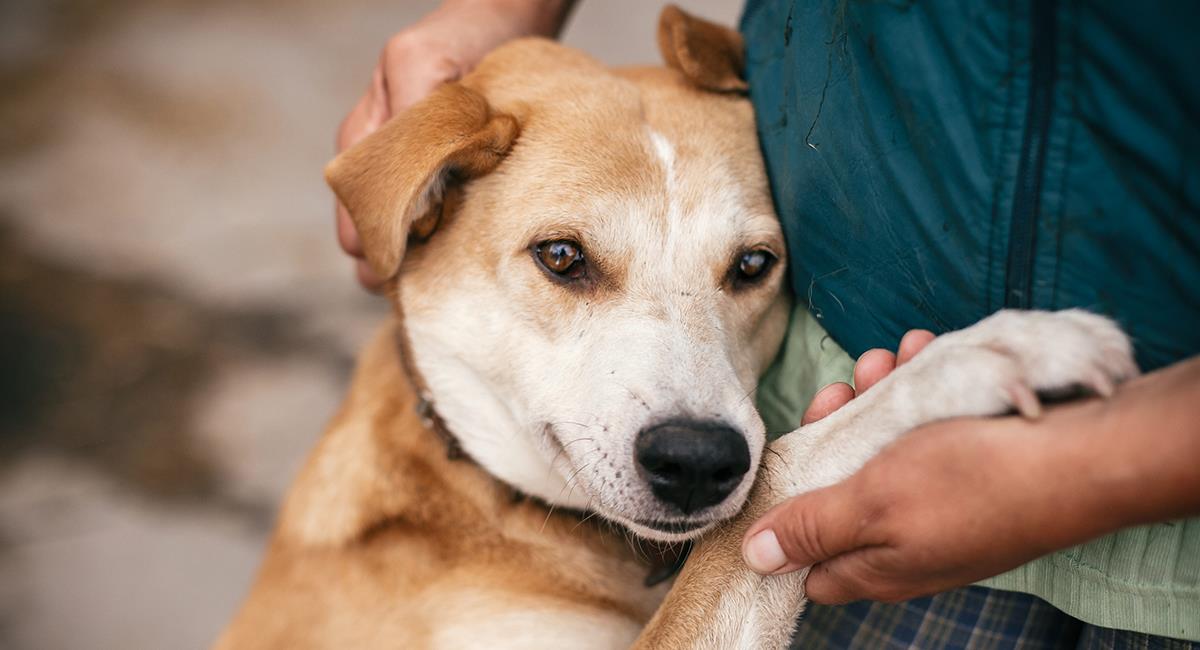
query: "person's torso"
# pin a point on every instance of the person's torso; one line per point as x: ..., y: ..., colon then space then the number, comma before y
x: 934, y: 162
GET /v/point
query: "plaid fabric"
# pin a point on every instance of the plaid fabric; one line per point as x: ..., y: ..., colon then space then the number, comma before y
x: 971, y: 617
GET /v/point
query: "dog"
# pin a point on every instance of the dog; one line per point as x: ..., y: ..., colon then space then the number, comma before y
x: 587, y: 278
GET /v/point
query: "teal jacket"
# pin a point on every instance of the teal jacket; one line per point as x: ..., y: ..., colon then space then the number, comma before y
x: 936, y: 161
x: 933, y: 162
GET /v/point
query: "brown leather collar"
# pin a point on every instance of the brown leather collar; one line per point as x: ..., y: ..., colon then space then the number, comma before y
x: 670, y: 562
x: 425, y: 409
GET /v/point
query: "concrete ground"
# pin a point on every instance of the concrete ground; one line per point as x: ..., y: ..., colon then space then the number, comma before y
x: 176, y: 321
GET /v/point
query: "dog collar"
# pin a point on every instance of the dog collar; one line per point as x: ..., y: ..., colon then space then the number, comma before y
x: 429, y: 416
x: 431, y: 420
x: 669, y: 569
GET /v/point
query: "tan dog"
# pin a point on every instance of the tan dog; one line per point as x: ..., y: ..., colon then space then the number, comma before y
x: 590, y: 291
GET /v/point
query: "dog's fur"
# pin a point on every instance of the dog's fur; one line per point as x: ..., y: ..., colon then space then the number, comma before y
x: 385, y: 541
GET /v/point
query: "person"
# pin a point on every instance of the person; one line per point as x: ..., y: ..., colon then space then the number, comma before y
x: 932, y: 163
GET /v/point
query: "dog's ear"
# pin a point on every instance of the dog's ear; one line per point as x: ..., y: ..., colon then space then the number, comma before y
x: 392, y: 182
x: 711, y: 56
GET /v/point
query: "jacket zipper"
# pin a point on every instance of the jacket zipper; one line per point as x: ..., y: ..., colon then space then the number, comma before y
x: 1022, y: 237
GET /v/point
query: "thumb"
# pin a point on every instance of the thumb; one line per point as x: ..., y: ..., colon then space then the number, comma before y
x: 802, y: 531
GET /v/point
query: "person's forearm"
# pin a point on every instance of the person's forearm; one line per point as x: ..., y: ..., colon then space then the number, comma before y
x: 1132, y: 459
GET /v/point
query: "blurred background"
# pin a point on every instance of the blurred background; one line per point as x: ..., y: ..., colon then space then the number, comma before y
x: 176, y: 320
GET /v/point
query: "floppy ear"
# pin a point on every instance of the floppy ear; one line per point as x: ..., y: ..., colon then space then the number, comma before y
x: 711, y: 56
x: 392, y: 182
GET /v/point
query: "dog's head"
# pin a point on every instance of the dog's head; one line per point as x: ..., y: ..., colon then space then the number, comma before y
x: 590, y: 270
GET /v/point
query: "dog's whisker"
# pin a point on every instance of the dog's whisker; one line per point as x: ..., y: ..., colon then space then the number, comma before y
x: 553, y: 504
x: 576, y: 424
x: 573, y: 483
x: 567, y: 484
x: 562, y: 449
x: 590, y: 513
x: 748, y: 394
x: 571, y: 477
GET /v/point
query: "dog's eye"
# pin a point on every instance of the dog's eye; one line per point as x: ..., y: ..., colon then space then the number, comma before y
x: 752, y: 265
x: 561, y: 257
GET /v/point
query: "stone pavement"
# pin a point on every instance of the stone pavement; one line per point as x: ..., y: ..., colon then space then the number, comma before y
x: 176, y: 322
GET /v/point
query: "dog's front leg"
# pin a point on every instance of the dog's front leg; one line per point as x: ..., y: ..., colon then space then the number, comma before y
x: 999, y: 364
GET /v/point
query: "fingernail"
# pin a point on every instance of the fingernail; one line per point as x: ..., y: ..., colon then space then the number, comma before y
x: 763, y: 554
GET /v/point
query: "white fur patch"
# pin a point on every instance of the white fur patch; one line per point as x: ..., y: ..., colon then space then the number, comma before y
x: 666, y: 154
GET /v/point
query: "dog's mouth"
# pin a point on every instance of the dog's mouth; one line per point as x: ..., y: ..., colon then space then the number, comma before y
x: 670, y: 531
x: 678, y: 527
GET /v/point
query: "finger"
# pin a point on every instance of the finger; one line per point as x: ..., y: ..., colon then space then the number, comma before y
x: 872, y: 366
x: 367, y: 277
x: 802, y: 531
x: 368, y: 114
x: 839, y: 581
x: 347, y: 234
x: 827, y: 400
x: 356, y: 126
x: 870, y: 573
x: 361, y: 121
x: 404, y: 91
x: 410, y: 71
x: 913, y: 342
x: 379, y: 107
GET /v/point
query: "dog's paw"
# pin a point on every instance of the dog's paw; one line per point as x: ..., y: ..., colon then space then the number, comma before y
x: 1006, y: 361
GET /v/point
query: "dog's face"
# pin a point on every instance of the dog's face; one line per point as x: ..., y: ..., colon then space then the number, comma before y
x: 598, y: 301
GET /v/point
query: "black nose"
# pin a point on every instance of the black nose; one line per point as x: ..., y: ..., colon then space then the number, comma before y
x: 691, y: 465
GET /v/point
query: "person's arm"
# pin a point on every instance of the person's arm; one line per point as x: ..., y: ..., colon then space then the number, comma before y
x: 442, y: 46
x: 955, y: 502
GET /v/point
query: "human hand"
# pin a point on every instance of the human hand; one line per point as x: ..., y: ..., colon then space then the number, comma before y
x: 946, y: 505
x: 441, y: 47
x: 872, y: 366
x: 954, y: 502
x: 882, y: 534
